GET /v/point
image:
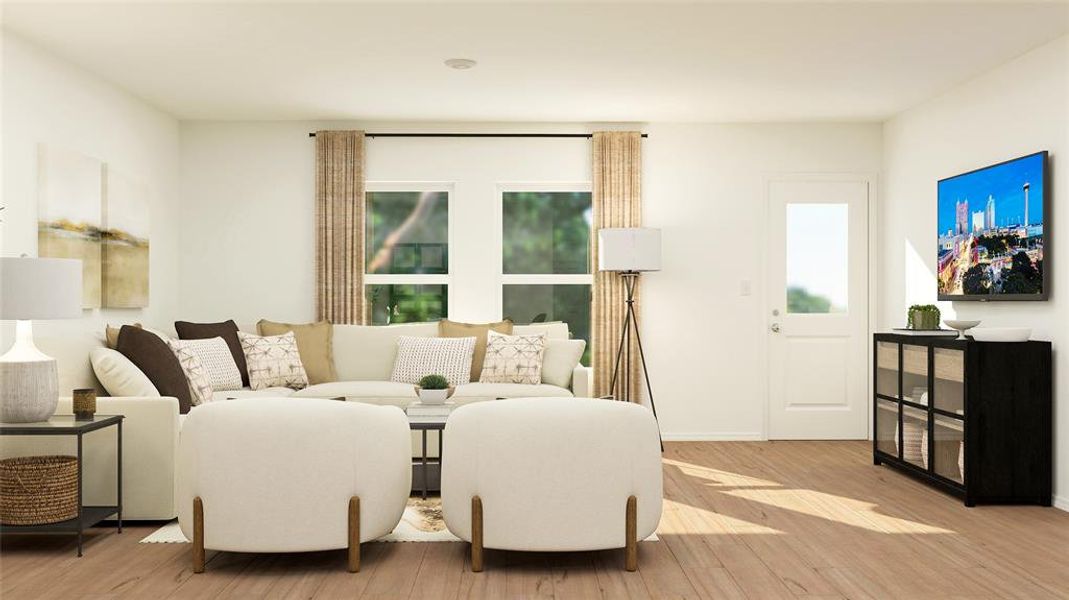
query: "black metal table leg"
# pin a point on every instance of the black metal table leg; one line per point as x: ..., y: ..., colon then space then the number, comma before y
x: 118, y: 474
x: 426, y: 484
x: 80, y: 527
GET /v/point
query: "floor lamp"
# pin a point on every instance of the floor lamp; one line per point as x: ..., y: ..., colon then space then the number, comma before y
x: 630, y: 251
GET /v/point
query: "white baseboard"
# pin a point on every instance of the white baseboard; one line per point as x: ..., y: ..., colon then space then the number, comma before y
x: 730, y: 436
x: 1061, y: 503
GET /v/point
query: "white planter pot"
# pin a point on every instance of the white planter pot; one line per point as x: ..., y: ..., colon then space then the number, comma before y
x: 433, y: 396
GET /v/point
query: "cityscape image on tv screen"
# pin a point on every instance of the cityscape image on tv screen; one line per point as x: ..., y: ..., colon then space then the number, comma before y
x: 991, y: 230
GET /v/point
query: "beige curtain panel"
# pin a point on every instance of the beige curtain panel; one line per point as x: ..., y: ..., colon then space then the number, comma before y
x: 339, y: 224
x: 617, y: 203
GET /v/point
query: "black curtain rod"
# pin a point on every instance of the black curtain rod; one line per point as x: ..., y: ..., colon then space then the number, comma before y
x: 481, y: 135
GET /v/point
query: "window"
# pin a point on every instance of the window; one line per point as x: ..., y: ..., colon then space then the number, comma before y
x: 545, y: 261
x: 407, y: 253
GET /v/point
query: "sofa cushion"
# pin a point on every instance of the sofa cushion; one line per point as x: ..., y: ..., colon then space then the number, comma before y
x: 273, y: 360
x: 509, y: 390
x: 119, y: 376
x: 228, y: 330
x: 247, y: 392
x: 374, y: 392
x: 367, y: 352
x: 156, y: 360
x: 514, y: 358
x: 556, y: 330
x: 315, y: 342
x: 454, y: 329
x: 560, y: 360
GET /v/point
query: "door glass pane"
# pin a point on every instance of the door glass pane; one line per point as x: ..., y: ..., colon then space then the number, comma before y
x: 949, y: 448
x: 546, y: 233
x: 817, y: 242
x: 397, y: 303
x: 915, y: 374
x: 887, y: 369
x: 949, y: 380
x: 539, y: 303
x: 407, y: 232
x: 887, y: 426
x: 914, y: 436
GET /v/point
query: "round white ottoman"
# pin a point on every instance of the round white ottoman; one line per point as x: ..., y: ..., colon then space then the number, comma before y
x: 552, y: 474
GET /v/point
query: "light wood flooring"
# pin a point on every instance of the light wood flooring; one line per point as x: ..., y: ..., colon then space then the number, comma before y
x: 741, y: 520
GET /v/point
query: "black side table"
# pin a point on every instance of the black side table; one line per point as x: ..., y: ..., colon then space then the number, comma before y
x: 88, y: 516
x: 424, y: 425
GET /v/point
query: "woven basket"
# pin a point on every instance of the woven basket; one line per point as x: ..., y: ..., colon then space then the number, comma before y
x: 35, y: 490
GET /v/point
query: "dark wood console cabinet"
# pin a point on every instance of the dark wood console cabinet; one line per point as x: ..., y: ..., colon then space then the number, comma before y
x: 971, y: 418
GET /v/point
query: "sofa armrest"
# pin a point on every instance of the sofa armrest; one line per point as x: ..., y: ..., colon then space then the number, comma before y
x: 582, y: 382
x: 150, y: 441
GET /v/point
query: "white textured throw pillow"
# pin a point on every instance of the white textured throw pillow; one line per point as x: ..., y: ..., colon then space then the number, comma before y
x: 420, y: 356
x: 560, y: 360
x: 200, y: 386
x: 217, y: 360
x: 119, y: 376
x: 274, y: 361
x: 513, y: 358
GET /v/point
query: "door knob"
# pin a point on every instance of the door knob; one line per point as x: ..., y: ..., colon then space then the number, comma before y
x: 775, y: 328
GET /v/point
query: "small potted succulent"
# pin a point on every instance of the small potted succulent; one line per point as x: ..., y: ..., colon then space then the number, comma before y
x: 433, y: 389
x: 924, y: 316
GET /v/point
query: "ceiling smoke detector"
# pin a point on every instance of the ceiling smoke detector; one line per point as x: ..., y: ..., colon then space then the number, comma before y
x: 460, y: 64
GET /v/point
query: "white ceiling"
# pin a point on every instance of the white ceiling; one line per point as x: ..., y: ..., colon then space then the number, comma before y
x: 538, y: 62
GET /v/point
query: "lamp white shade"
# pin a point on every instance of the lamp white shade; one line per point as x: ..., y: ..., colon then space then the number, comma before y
x: 629, y: 249
x: 40, y: 288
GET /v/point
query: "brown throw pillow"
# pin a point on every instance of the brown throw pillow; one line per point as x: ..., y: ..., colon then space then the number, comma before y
x: 315, y: 343
x: 156, y: 360
x: 453, y: 329
x: 228, y: 330
x: 111, y: 334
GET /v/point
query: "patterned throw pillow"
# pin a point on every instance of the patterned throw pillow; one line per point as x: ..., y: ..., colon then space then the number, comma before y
x: 273, y: 360
x: 218, y: 361
x: 200, y: 386
x: 420, y: 356
x: 513, y: 358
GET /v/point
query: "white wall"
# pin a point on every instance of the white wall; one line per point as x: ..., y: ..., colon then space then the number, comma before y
x: 47, y: 100
x: 248, y: 251
x: 1019, y: 108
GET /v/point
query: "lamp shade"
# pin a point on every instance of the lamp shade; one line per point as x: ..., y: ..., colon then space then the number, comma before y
x: 40, y: 288
x: 629, y: 249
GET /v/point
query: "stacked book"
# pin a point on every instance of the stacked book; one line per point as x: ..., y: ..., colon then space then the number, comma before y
x: 429, y: 413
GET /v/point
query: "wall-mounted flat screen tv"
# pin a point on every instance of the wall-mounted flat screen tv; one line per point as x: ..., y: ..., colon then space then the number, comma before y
x: 992, y: 226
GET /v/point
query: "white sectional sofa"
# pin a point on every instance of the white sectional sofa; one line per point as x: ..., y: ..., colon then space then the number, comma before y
x: 363, y: 357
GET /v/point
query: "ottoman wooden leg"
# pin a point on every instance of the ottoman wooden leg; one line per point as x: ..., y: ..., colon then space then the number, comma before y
x: 354, y: 534
x: 631, y: 530
x: 476, y: 534
x: 198, y: 535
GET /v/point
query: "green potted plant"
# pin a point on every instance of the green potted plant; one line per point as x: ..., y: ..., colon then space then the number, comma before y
x: 923, y: 316
x: 433, y: 389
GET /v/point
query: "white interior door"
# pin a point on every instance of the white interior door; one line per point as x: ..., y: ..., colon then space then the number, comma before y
x: 818, y: 309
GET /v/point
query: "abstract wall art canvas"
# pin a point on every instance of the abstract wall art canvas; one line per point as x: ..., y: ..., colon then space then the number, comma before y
x: 69, y: 218
x: 125, y: 241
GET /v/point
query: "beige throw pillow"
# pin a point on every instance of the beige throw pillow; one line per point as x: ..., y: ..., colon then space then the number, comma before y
x: 274, y: 361
x: 315, y: 342
x: 560, y: 360
x: 513, y: 358
x: 420, y: 356
x: 200, y: 385
x: 454, y: 329
x: 111, y: 334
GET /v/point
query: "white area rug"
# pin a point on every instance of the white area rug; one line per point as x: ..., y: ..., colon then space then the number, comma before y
x: 422, y: 522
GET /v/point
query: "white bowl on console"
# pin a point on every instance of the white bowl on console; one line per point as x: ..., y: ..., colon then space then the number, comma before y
x: 1001, y: 334
x: 961, y: 326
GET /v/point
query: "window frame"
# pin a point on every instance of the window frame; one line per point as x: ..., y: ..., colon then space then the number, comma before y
x: 543, y: 278
x: 449, y: 188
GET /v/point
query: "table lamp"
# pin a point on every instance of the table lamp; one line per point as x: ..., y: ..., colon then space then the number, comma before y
x: 34, y: 288
x: 629, y: 251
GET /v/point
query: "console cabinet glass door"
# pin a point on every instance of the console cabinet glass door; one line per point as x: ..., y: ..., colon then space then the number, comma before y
x: 949, y: 393
x: 887, y: 369
x: 887, y: 427
x: 948, y: 448
x: 914, y: 435
x: 915, y: 373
